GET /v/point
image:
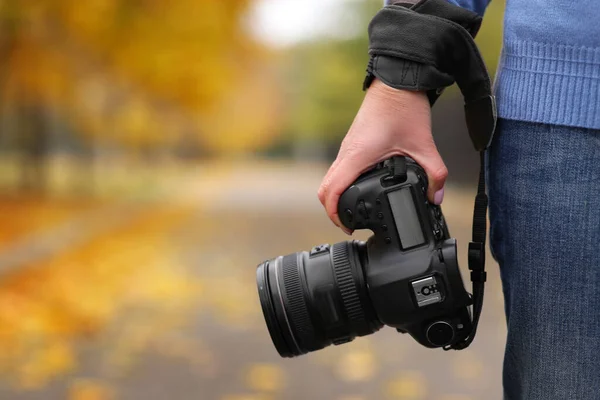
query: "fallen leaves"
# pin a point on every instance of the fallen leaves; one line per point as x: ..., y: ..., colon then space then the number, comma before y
x: 356, y: 365
x: 88, y: 389
x: 408, y: 385
x: 77, y: 294
x: 265, y: 377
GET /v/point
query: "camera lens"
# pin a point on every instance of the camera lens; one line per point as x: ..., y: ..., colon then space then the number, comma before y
x: 313, y: 299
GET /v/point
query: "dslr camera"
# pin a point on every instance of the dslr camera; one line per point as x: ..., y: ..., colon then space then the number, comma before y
x: 405, y: 275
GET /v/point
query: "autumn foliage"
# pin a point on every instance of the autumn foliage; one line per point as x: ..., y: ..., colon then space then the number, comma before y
x: 142, y: 73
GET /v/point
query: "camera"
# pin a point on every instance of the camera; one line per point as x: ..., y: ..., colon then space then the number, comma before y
x: 405, y: 276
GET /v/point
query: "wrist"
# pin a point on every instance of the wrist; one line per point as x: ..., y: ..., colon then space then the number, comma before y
x: 387, y: 97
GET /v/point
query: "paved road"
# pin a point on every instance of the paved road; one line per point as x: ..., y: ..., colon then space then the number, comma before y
x: 210, y: 342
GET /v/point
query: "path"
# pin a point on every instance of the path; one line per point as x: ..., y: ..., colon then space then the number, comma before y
x: 189, y: 324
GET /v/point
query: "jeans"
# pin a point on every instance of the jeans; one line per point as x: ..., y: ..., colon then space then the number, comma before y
x: 544, y: 190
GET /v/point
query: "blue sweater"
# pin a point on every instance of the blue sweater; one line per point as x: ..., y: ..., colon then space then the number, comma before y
x: 550, y: 64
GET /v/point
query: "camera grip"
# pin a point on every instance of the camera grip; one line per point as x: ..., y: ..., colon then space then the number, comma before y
x: 391, y: 200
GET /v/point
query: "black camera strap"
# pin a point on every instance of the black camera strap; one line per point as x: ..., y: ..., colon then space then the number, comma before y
x: 427, y: 47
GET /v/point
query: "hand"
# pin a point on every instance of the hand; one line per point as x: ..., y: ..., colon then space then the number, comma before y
x: 389, y: 122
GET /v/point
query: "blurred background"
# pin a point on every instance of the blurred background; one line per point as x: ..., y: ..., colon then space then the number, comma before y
x: 152, y: 153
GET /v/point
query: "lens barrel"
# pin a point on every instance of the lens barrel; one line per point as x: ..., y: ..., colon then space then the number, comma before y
x: 313, y: 299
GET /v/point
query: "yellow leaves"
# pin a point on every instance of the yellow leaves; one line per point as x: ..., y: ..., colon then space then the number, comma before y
x: 356, y: 365
x: 185, y: 51
x: 228, y: 299
x: 136, y: 124
x: 78, y: 293
x: 87, y: 389
x: 245, y: 121
x: 151, y: 58
x: 245, y: 397
x: 408, y: 385
x: 467, y: 366
x: 266, y: 378
x: 90, y: 21
x: 45, y: 362
x: 37, y: 73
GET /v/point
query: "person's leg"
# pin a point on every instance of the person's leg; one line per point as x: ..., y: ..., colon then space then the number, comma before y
x: 544, y: 188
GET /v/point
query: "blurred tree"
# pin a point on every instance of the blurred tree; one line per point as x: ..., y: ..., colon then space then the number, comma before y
x: 143, y: 74
x: 324, y: 79
x: 177, y: 77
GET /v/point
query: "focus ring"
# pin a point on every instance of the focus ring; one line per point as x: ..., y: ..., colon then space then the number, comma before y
x: 297, y: 310
x: 347, y: 286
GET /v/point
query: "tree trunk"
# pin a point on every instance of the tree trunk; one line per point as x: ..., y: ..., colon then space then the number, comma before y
x: 33, y: 143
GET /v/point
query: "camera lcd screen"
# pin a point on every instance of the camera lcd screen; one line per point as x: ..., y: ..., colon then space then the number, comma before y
x: 406, y: 218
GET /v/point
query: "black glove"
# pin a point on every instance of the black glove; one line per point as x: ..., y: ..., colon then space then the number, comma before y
x: 428, y: 46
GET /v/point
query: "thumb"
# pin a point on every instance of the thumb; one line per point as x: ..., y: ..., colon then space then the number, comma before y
x: 339, y: 177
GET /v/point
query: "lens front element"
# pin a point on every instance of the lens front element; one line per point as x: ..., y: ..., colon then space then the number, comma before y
x: 267, y: 302
x: 311, y: 300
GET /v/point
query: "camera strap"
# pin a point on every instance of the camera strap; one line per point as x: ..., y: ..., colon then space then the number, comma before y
x: 428, y: 46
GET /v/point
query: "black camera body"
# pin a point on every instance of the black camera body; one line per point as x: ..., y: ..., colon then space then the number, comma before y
x: 412, y: 271
x: 405, y: 276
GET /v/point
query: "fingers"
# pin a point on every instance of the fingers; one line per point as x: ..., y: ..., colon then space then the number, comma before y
x: 347, y: 167
x: 389, y: 122
x: 437, y: 173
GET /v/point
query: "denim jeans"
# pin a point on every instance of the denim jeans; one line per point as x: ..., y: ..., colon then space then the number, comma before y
x: 544, y: 189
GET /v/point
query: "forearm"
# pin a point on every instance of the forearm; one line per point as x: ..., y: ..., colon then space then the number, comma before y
x: 477, y: 6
